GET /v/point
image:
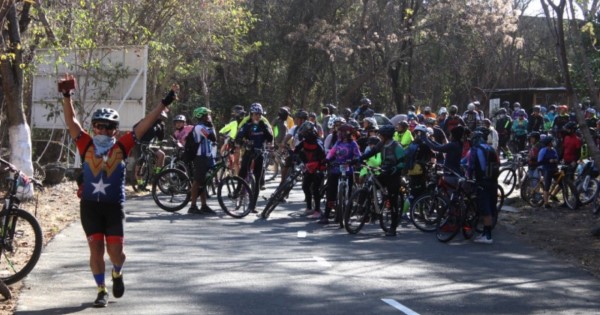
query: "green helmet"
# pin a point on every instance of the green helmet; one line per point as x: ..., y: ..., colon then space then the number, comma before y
x: 201, y: 112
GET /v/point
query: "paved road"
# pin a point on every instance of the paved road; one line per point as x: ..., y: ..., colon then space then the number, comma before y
x: 183, y: 264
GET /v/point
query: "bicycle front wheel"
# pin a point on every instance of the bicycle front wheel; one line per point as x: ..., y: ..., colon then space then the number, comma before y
x: 508, y: 179
x: 358, y: 209
x: 569, y: 193
x: 235, y: 196
x: 425, y: 212
x: 21, y: 245
x: 171, y: 190
x: 587, y: 189
x: 449, y: 224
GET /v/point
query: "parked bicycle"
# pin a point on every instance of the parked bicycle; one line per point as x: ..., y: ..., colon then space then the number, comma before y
x: 513, y: 175
x: 369, y: 203
x: 561, y: 189
x: 144, y: 167
x: 587, y: 184
x: 283, y: 189
x: 21, y: 236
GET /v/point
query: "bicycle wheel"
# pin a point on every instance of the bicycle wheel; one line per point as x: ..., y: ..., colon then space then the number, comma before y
x: 276, y: 198
x: 425, y: 212
x: 358, y: 208
x: 171, y: 190
x: 449, y: 224
x: 385, y: 219
x: 569, y: 193
x: 234, y: 196
x: 534, y: 191
x: 508, y: 179
x: 272, y: 169
x: 472, y: 222
x: 341, y: 203
x: 500, y: 200
x: 587, y: 189
x: 22, y: 246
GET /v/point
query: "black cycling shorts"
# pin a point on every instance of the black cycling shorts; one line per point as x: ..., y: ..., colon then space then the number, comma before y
x: 201, y: 166
x: 102, y: 218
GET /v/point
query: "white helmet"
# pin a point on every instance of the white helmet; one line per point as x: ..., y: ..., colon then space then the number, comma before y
x: 179, y: 118
x: 471, y: 106
x: 421, y: 128
x: 372, y: 122
x: 442, y: 110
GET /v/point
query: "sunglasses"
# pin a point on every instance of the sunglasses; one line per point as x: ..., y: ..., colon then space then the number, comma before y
x: 105, y: 127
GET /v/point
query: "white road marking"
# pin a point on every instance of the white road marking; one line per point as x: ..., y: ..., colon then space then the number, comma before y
x: 400, y: 307
x: 302, y: 234
x: 321, y: 261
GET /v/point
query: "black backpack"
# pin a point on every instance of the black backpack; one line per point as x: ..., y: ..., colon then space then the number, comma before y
x: 492, y: 164
x: 190, y: 149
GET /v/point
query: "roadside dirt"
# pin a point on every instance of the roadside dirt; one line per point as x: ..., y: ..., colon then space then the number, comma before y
x: 562, y: 232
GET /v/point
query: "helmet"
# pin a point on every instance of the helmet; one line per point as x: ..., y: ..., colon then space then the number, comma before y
x: 534, y: 134
x: 354, y: 124
x: 547, y: 140
x: 570, y: 126
x: 552, y: 107
x: 471, y: 106
x: 477, y: 103
x: 591, y: 111
x: 312, y: 115
x: 453, y: 109
x: 427, y: 109
x: 237, y: 109
x: 301, y: 114
x: 106, y: 114
x: 387, y: 131
x: 347, y: 128
x: 430, y: 121
x: 563, y: 107
x: 537, y: 108
x: 421, y: 128
x: 403, y: 124
x: 543, y: 109
x: 521, y: 113
x: 487, y: 122
x: 442, y: 111
x: 331, y: 107
x: 179, y: 118
x: 505, y: 104
x: 284, y: 111
x: 412, y: 108
x: 201, y: 112
x: 373, y: 140
x: 256, y: 108
x: 516, y: 104
x: 372, y: 123
x: 308, y: 130
x: 365, y: 102
x: 347, y: 112
x: 338, y: 119
x: 501, y: 111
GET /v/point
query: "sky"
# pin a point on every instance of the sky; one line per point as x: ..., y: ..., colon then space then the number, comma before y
x: 535, y: 9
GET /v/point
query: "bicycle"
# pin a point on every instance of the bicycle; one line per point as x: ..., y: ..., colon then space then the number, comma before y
x: 586, y: 184
x: 283, y: 189
x: 144, y: 167
x: 21, y: 236
x: 276, y: 159
x: 371, y: 201
x: 513, y: 175
x: 561, y: 185
x: 343, y: 192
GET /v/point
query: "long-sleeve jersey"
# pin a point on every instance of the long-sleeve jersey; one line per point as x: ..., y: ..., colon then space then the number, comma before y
x: 343, y: 152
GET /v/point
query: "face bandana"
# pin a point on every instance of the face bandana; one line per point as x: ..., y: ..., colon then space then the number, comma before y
x: 103, y: 143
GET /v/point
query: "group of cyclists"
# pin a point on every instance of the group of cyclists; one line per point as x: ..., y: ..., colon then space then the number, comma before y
x: 353, y: 138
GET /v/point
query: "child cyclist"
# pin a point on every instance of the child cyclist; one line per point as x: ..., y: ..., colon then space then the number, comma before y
x: 344, y: 151
x: 311, y: 152
x: 374, y: 161
x: 392, y: 162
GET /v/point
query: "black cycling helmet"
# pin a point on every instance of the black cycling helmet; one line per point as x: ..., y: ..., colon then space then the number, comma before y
x: 308, y: 131
x: 547, y: 140
x: 457, y: 133
x: 301, y: 115
x: 237, y: 109
x: 387, y: 131
x: 365, y: 102
x: 353, y: 123
x: 534, y: 134
x: 501, y: 111
x: 332, y: 108
x: 570, y: 126
x: 346, y: 112
x: 453, y: 110
x: 505, y: 104
x: 284, y: 111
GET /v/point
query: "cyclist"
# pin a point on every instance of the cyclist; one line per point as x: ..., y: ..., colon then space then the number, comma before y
x: 536, y: 120
x: 292, y: 135
x: 548, y: 160
x: 103, y: 193
x: 181, y: 129
x: 370, y: 128
x: 392, y: 162
x: 590, y: 117
x: 344, y: 150
x: 532, y: 156
x: 441, y: 119
x: 571, y: 148
x: 230, y: 130
x: 504, y: 129
x: 331, y: 139
x: 374, y: 161
x: 312, y: 117
x: 471, y: 117
x: 492, y: 139
x: 479, y: 111
x: 402, y: 135
x: 156, y: 132
x: 204, y: 135
x: 280, y: 128
x: 361, y: 111
x: 327, y: 114
x: 452, y: 153
x: 427, y: 113
x: 452, y: 121
x: 311, y: 152
x: 482, y: 166
x: 517, y: 110
x: 256, y: 133
x: 417, y: 156
x: 560, y: 121
x: 519, y: 130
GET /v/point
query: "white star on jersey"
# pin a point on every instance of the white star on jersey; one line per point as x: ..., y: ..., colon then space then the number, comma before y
x: 100, y: 187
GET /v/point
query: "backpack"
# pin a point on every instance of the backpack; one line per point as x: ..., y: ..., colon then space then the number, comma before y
x: 410, y: 155
x: 492, y: 164
x: 190, y: 149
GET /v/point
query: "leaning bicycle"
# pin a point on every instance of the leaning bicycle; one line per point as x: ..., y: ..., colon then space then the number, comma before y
x: 283, y: 189
x: 21, y: 236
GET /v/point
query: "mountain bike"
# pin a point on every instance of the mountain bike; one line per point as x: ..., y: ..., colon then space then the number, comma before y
x: 144, y: 167
x: 283, y: 189
x: 561, y: 188
x: 513, y: 175
x: 368, y: 203
x: 586, y: 184
x: 343, y: 191
x: 275, y: 161
x: 21, y: 236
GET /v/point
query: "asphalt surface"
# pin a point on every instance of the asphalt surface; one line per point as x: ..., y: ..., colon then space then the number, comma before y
x: 196, y: 264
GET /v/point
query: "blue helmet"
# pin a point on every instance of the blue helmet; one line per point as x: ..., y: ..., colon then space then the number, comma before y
x: 256, y: 108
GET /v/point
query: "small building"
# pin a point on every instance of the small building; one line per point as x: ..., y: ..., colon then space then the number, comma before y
x: 528, y: 97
